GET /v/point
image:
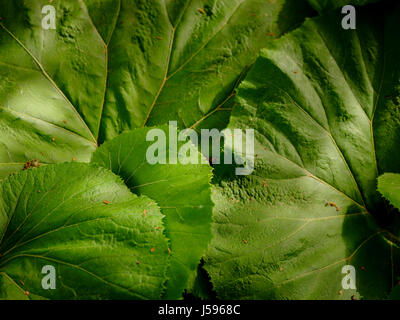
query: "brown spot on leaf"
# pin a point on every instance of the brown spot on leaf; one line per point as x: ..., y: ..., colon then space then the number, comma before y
x: 32, y: 164
x: 152, y: 249
x: 264, y: 183
x: 332, y: 204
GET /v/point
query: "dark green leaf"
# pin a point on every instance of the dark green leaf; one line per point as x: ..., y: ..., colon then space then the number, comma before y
x: 324, y: 105
x: 324, y: 5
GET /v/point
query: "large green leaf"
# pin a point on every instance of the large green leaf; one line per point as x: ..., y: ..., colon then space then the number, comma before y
x: 324, y: 104
x: 114, y: 65
x: 389, y: 187
x: 324, y: 5
x: 181, y: 190
x: 85, y: 223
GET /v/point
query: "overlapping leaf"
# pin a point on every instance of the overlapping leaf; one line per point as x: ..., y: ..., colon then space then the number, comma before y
x: 85, y: 223
x: 324, y: 104
x: 114, y: 65
x: 181, y: 190
x: 389, y: 187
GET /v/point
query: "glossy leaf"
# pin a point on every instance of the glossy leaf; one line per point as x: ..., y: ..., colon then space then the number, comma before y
x: 84, y: 222
x: 324, y: 106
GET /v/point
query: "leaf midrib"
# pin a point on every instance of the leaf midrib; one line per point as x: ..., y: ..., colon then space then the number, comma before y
x: 47, y: 76
x: 168, y: 76
x: 83, y: 270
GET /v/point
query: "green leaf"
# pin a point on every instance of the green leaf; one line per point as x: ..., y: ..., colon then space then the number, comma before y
x: 389, y: 187
x: 325, y: 5
x: 114, y: 65
x: 182, y: 192
x: 85, y: 223
x: 324, y: 104
x: 200, y: 287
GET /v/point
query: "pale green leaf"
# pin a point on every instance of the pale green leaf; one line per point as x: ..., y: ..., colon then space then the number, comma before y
x: 389, y: 187
x: 85, y: 223
x: 181, y: 190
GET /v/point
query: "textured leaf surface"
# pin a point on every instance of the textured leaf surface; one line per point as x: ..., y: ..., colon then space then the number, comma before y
x: 114, y: 65
x: 389, y: 187
x: 182, y: 192
x: 324, y: 105
x: 57, y: 215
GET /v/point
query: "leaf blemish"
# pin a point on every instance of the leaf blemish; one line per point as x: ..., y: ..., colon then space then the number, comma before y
x: 332, y: 204
x: 32, y: 164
